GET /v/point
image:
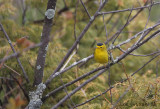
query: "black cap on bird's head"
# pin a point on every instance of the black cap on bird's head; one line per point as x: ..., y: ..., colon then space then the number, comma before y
x: 99, y: 44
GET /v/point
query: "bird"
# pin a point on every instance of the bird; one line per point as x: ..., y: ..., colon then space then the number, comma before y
x: 101, y: 54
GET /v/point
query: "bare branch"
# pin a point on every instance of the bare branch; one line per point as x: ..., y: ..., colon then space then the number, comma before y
x: 117, y: 11
x: 49, y: 14
x: 109, y: 77
x: 102, y: 71
x: 120, y: 82
x: 114, y: 105
x: 19, y: 53
x: 78, y: 88
x: 85, y: 9
x: 142, y: 37
x: 72, y: 82
x: 109, y: 83
x: 76, y: 42
x: 136, y: 35
x: 74, y: 64
x: 23, y: 90
x: 121, y: 29
x: 157, y: 68
x: 127, y: 23
x: 135, y: 41
x: 111, y: 47
x: 140, y: 55
x: 19, y: 62
x: 12, y: 70
x: 65, y: 89
x: 5, y: 78
x: 24, y: 10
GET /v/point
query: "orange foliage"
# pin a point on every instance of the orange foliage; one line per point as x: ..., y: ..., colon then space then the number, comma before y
x: 67, y: 15
x: 120, y: 3
x: 144, y: 1
x: 16, y: 103
x: 24, y: 42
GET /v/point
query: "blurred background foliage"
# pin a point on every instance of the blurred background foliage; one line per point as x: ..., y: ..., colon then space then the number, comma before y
x: 25, y: 18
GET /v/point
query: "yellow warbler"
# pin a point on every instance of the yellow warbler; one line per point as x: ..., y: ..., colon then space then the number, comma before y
x: 101, y: 54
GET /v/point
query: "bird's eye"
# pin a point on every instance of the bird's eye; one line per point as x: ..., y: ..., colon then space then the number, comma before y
x: 100, y: 47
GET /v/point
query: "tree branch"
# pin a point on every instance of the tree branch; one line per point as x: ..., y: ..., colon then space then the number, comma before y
x: 49, y: 14
x: 14, y: 51
x: 117, y: 11
x: 76, y: 42
x: 106, y: 68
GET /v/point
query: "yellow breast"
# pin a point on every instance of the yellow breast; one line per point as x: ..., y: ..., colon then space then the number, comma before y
x: 101, y: 56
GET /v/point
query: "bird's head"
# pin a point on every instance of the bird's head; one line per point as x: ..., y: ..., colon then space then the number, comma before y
x: 101, y: 46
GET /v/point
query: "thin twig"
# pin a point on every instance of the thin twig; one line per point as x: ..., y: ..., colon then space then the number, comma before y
x: 117, y: 11
x: 82, y: 60
x: 111, y: 29
x: 109, y: 80
x: 75, y: 21
x: 75, y: 14
x: 76, y: 42
x: 23, y: 90
x: 103, y: 96
x: 157, y: 64
x: 12, y: 70
x: 143, y: 36
x: 127, y: 22
x: 7, y: 52
x: 72, y: 82
x: 65, y: 89
x: 109, y: 83
x: 24, y: 10
x: 140, y: 55
x: 64, y: 3
x: 109, y: 19
x: 6, y: 78
x: 85, y: 9
x: 105, y: 28
x: 8, y: 93
x: 120, y: 82
x: 102, y: 71
x: 145, y: 64
x: 78, y: 82
x: 77, y: 89
x: 9, y: 41
x: 117, y: 60
x: 74, y: 64
x: 114, y: 105
x: 136, y: 35
x: 127, y: 76
x: 139, y: 3
x: 19, y: 53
